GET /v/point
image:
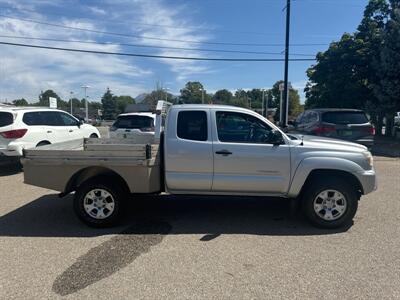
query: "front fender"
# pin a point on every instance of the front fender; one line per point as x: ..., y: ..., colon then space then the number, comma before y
x: 307, y: 165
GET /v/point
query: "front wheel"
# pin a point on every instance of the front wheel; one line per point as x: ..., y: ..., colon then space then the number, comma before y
x: 331, y: 203
x: 98, y: 203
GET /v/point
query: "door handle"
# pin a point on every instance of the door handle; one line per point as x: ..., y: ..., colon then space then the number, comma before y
x: 49, y: 131
x: 224, y: 152
x: 70, y: 130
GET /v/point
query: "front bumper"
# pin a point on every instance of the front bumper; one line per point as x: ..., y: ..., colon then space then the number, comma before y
x: 368, y: 180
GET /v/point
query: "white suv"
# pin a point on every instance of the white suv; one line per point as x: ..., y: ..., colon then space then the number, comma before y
x: 130, y: 125
x: 29, y: 127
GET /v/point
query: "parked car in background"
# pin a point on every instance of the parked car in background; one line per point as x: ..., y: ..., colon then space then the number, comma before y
x: 133, y: 124
x: 346, y: 124
x: 30, y: 127
x: 397, y: 119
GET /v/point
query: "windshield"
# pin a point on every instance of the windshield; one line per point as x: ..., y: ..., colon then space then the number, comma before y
x: 345, y: 117
x: 134, y: 122
x: 6, y: 119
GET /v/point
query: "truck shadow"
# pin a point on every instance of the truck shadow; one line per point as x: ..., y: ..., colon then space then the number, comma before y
x: 49, y: 216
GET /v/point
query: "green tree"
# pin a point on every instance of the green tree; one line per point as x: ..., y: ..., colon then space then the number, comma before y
x: 387, y: 88
x: 334, y: 81
x: 295, y: 107
x: 44, y: 97
x: 240, y: 99
x: 109, y: 105
x: 192, y: 92
x: 152, y: 98
x: 353, y: 72
x: 370, y: 35
x: 223, y: 97
x: 123, y: 102
x: 20, y: 102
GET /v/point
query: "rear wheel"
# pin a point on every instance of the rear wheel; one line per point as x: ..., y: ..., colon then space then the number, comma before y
x: 331, y: 203
x: 94, y: 136
x: 98, y: 202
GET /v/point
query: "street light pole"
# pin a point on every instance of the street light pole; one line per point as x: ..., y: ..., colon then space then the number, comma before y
x: 71, y: 97
x: 166, y: 93
x: 286, y: 78
x: 263, y: 104
x: 281, y: 109
x: 85, y: 87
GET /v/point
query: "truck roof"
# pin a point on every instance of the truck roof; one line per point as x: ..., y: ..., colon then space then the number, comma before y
x: 208, y: 106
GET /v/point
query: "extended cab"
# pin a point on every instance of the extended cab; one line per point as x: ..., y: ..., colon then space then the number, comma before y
x: 208, y: 150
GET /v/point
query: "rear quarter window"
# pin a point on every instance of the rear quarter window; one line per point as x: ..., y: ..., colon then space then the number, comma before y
x: 192, y: 125
x: 6, y: 118
x: 345, y: 117
x: 33, y: 118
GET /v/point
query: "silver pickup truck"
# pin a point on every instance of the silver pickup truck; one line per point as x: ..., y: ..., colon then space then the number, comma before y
x: 207, y: 150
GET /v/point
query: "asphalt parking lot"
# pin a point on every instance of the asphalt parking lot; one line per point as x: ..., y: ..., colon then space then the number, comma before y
x: 197, y: 248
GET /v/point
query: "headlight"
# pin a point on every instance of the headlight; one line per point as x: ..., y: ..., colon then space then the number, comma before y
x: 370, y: 159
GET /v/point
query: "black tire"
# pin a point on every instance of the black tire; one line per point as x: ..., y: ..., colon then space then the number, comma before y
x: 315, y: 188
x: 43, y: 143
x: 112, y: 188
x: 94, y: 136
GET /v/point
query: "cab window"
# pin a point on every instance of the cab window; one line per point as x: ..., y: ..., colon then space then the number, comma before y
x: 236, y: 127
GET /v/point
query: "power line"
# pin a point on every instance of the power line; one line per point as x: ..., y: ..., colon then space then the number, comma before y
x: 157, y: 56
x: 147, y: 46
x: 153, y: 38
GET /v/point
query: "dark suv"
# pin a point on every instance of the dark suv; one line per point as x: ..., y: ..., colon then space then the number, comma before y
x: 346, y: 124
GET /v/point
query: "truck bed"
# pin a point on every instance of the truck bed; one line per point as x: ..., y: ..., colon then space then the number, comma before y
x: 137, y: 164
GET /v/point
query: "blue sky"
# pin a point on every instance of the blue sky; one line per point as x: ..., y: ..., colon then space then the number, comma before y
x: 24, y: 72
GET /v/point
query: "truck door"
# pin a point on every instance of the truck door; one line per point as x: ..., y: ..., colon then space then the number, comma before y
x: 188, y: 155
x: 245, y: 161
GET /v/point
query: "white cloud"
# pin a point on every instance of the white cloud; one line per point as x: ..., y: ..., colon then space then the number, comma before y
x: 172, y: 26
x: 97, y: 10
x: 24, y: 72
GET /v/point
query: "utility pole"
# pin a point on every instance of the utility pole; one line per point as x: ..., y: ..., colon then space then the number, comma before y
x: 71, y: 97
x: 263, y: 104
x: 286, y: 78
x: 202, y: 95
x: 85, y: 87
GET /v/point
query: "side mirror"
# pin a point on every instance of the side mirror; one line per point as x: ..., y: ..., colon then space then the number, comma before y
x: 276, y: 138
x: 79, y: 123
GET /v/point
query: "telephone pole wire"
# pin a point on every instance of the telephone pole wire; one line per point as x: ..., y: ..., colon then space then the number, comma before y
x: 285, y: 105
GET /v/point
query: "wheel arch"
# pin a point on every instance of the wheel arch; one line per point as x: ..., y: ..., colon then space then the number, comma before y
x: 313, y: 169
x: 43, y: 142
x: 93, y: 172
